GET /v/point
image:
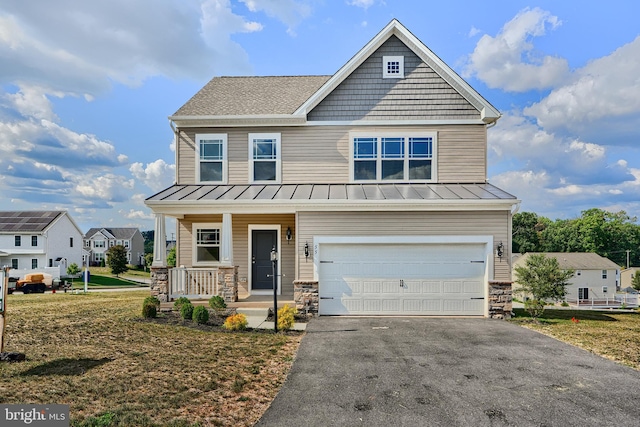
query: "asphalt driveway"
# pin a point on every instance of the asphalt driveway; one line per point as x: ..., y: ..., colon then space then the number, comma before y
x: 448, y: 372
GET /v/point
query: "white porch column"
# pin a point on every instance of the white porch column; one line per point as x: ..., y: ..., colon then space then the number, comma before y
x: 159, y: 243
x: 226, y: 246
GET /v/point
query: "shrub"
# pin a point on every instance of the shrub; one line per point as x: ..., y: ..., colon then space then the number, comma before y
x: 186, y: 311
x: 286, y: 317
x: 200, y: 315
x: 564, y: 304
x: 534, y: 307
x: 150, y: 307
x: 149, y: 310
x: 236, y: 322
x: 177, y: 304
x: 217, y: 303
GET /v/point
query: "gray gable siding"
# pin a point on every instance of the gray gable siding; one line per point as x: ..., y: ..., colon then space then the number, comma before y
x: 420, y: 95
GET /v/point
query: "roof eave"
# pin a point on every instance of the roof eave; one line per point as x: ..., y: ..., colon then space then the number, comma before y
x: 239, y: 120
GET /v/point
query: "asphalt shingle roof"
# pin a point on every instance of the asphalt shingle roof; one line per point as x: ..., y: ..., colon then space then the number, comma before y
x: 26, y: 221
x: 231, y: 96
x: 577, y: 260
x: 118, y: 233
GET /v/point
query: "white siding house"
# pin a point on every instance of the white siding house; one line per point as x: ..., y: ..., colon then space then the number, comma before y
x: 35, y: 240
x: 596, y: 278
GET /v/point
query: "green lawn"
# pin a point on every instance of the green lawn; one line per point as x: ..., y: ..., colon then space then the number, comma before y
x: 612, y: 334
x: 99, y: 281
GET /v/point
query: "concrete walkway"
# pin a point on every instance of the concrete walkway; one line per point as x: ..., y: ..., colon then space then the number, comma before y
x: 257, y: 319
x: 448, y: 372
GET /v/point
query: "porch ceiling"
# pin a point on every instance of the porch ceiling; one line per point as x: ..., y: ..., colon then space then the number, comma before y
x: 301, y: 196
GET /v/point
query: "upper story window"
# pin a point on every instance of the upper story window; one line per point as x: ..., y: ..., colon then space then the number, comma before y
x: 206, y: 242
x: 211, y: 157
x: 393, y: 157
x: 98, y: 244
x: 604, y: 274
x: 264, y: 157
x: 17, y: 241
x: 70, y: 242
x: 392, y: 67
x: 88, y: 243
x: 126, y: 244
x: 34, y: 240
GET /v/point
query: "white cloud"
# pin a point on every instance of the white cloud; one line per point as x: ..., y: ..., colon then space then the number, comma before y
x: 474, y: 31
x: 604, y: 93
x: 108, y: 187
x: 365, y: 4
x: 136, y: 214
x: 290, y: 12
x: 156, y: 175
x: 508, y: 61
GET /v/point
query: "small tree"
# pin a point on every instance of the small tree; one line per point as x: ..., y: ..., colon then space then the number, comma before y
x: 542, y: 278
x: 635, y: 283
x: 72, y: 270
x: 117, y: 259
x: 171, y: 257
x: 148, y: 260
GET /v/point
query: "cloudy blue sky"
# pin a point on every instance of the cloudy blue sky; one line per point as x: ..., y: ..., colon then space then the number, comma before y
x: 86, y: 88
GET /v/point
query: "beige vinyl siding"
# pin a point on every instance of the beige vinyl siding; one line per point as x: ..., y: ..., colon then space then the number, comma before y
x: 241, y: 256
x: 320, y: 154
x: 421, y: 95
x: 492, y: 223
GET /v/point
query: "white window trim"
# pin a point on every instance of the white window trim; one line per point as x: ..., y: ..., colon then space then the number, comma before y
x: 386, y: 60
x: 194, y: 244
x: 399, y: 134
x: 225, y: 161
x: 278, y: 139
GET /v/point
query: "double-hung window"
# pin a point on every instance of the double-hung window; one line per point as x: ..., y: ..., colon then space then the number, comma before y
x: 264, y: 157
x: 211, y: 158
x: 397, y: 158
x: 34, y: 240
x: 206, y: 243
x: 17, y: 240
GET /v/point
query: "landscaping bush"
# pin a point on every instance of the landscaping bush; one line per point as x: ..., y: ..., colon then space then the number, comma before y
x: 150, y: 307
x: 564, y: 304
x: 217, y: 303
x: 149, y: 310
x: 177, y: 304
x: 200, y: 315
x: 286, y: 317
x: 236, y: 322
x: 186, y: 310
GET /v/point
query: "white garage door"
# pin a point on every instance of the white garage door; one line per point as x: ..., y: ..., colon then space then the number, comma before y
x: 402, y: 279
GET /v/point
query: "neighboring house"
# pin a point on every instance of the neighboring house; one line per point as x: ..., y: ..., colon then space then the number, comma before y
x: 596, y: 278
x: 626, y: 277
x: 39, y: 240
x: 370, y: 185
x: 97, y: 242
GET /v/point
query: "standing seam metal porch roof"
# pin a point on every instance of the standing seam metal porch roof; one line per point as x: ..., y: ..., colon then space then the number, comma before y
x: 331, y: 192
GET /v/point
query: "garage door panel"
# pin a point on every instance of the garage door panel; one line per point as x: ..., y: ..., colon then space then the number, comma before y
x: 402, y: 279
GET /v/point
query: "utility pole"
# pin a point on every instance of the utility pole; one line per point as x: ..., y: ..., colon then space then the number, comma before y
x: 627, y: 251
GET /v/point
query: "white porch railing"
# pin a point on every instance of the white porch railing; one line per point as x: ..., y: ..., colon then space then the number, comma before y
x: 193, y: 282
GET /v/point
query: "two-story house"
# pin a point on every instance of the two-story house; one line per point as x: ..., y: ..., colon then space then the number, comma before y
x: 39, y: 240
x: 369, y: 186
x: 595, y: 277
x: 98, y: 241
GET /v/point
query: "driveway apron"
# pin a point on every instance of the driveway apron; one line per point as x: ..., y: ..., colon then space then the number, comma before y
x: 448, y: 372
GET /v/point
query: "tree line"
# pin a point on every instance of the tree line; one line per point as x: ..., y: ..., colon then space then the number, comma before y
x: 609, y: 234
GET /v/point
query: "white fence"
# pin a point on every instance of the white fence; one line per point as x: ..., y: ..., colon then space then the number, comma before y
x: 617, y: 300
x: 193, y: 282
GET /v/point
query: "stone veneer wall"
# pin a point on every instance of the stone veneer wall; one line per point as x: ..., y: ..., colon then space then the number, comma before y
x: 160, y: 283
x: 305, y: 294
x: 500, y: 300
x: 228, y: 283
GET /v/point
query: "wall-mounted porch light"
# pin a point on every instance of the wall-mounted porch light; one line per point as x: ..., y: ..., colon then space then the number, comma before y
x: 500, y: 250
x: 289, y: 235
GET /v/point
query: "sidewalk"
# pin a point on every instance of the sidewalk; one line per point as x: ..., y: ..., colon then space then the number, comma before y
x: 257, y: 319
